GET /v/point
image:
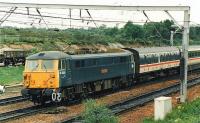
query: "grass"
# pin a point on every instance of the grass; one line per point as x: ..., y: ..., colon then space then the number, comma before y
x: 11, y: 75
x: 186, y: 113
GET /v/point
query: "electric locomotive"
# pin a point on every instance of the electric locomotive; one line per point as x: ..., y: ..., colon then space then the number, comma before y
x: 56, y: 76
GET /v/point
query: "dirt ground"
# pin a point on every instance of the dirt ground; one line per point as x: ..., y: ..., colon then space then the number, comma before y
x: 11, y: 92
x: 138, y: 114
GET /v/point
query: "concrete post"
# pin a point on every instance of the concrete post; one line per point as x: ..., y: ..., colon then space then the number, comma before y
x: 184, y: 57
x: 172, y: 38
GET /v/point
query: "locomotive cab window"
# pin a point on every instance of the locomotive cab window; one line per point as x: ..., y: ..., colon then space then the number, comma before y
x: 62, y: 64
x: 32, y: 65
x: 47, y: 65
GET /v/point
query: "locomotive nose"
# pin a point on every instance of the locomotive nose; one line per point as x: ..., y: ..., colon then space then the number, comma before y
x: 40, y: 80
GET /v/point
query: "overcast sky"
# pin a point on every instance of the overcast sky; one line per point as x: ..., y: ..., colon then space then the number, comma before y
x: 155, y: 16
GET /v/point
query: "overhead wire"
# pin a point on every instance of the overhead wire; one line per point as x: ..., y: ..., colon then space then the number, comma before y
x: 157, y: 31
x: 7, y: 15
x: 78, y: 19
x: 41, y: 17
x: 153, y: 24
x: 91, y: 18
x: 51, y: 24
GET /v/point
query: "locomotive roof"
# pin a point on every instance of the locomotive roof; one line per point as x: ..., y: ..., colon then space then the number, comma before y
x: 48, y: 55
x: 146, y: 50
x: 99, y: 55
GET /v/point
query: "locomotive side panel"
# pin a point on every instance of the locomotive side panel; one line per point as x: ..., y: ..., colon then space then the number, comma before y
x: 94, y: 68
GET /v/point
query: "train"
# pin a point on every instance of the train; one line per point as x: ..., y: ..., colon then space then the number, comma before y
x: 56, y: 76
x: 10, y: 56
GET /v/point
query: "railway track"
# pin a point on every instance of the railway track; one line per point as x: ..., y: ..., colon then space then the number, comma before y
x: 12, y: 100
x: 116, y: 108
x: 130, y: 103
x: 24, y: 112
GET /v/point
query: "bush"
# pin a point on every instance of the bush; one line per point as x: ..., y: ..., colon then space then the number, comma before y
x: 97, y: 113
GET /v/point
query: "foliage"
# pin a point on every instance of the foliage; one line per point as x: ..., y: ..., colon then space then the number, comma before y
x: 186, y: 113
x: 97, y: 113
x: 132, y: 31
x: 11, y: 75
x: 151, y: 33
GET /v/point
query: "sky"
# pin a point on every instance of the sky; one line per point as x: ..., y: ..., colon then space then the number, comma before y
x: 104, y: 15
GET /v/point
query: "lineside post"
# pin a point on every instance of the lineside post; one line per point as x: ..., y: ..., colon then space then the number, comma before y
x: 184, y: 57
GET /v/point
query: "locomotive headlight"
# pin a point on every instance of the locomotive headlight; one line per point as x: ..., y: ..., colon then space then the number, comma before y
x: 52, y: 76
x: 25, y: 76
x: 26, y: 83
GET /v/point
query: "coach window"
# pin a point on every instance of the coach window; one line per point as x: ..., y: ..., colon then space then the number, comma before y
x: 62, y: 64
x: 175, y: 56
x: 162, y: 58
x: 193, y: 54
x: 172, y: 56
x: 145, y: 60
x: 141, y: 59
x: 155, y: 58
x: 198, y: 54
x: 167, y: 57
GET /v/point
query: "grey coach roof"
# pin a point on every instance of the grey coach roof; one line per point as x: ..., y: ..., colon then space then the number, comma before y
x: 48, y: 55
x: 145, y: 50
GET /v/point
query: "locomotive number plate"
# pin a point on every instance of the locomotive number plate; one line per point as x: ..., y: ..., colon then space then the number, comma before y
x: 104, y: 71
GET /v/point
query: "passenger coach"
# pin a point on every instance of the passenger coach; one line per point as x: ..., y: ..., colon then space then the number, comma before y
x: 153, y: 61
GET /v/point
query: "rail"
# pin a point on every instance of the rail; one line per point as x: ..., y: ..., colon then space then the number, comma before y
x: 12, y: 100
x: 130, y: 103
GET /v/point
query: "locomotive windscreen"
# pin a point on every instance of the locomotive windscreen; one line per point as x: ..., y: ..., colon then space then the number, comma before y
x: 39, y: 65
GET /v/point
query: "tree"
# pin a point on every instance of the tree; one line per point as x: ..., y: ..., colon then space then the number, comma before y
x: 97, y: 113
x: 132, y: 31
